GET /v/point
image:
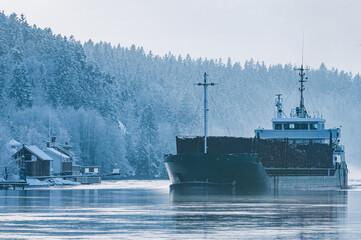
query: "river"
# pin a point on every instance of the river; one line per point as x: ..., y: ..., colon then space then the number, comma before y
x: 149, y: 210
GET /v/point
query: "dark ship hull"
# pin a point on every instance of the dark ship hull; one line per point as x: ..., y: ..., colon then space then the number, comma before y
x: 251, y: 164
x: 244, y: 172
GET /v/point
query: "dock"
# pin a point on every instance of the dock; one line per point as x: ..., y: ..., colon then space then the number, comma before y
x: 13, y: 184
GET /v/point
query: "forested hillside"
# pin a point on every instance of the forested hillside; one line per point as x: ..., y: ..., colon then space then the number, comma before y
x: 119, y: 105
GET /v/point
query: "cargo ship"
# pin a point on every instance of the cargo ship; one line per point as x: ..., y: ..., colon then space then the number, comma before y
x: 298, y: 152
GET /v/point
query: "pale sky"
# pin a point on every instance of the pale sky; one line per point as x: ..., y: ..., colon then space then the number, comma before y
x: 265, y: 30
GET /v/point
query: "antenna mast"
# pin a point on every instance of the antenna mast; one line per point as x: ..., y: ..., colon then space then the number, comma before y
x: 205, y: 85
x: 301, y: 111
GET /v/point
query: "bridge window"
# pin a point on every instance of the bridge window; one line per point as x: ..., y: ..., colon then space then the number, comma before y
x: 289, y: 126
x: 296, y: 126
x: 278, y: 126
x: 313, y: 126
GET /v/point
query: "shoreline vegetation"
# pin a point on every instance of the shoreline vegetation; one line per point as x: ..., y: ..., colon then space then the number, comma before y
x: 120, y: 107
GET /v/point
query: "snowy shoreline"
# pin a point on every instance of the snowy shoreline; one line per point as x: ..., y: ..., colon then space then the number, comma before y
x: 50, y: 182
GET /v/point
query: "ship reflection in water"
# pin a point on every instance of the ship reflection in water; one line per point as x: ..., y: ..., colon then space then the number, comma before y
x: 289, y: 214
x: 150, y: 210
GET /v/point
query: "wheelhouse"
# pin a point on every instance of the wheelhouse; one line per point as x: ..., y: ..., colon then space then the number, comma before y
x: 300, y: 130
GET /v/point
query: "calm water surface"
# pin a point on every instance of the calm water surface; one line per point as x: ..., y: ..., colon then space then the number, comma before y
x: 148, y: 209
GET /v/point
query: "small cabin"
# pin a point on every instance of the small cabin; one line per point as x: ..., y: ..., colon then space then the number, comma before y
x: 90, y: 170
x: 35, y: 161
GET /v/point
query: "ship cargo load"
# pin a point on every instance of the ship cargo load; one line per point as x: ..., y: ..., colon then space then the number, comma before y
x: 272, y: 153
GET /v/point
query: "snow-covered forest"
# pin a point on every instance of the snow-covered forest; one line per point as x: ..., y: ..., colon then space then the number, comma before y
x: 122, y: 105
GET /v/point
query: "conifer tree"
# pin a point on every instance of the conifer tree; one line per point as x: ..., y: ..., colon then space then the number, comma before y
x: 147, y: 154
x: 3, y: 70
x: 20, y: 88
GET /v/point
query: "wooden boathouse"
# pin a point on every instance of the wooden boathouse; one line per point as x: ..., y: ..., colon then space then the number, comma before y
x: 35, y: 161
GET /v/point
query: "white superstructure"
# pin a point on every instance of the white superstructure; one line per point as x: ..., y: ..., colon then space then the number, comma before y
x: 299, y: 127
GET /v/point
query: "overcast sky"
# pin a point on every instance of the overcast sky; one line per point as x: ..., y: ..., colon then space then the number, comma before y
x: 269, y: 31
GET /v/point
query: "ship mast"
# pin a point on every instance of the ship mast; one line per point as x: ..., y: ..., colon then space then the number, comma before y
x: 205, y: 85
x: 301, y: 111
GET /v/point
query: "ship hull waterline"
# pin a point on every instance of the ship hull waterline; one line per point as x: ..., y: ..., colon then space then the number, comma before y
x: 242, y: 172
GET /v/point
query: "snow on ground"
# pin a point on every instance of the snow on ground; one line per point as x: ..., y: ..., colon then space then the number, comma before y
x: 50, y: 182
x: 129, y: 184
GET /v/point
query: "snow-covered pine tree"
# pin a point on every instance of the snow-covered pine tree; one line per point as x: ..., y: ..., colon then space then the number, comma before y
x: 148, y: 155
x: 20, y: 88
x: 3, y: 73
